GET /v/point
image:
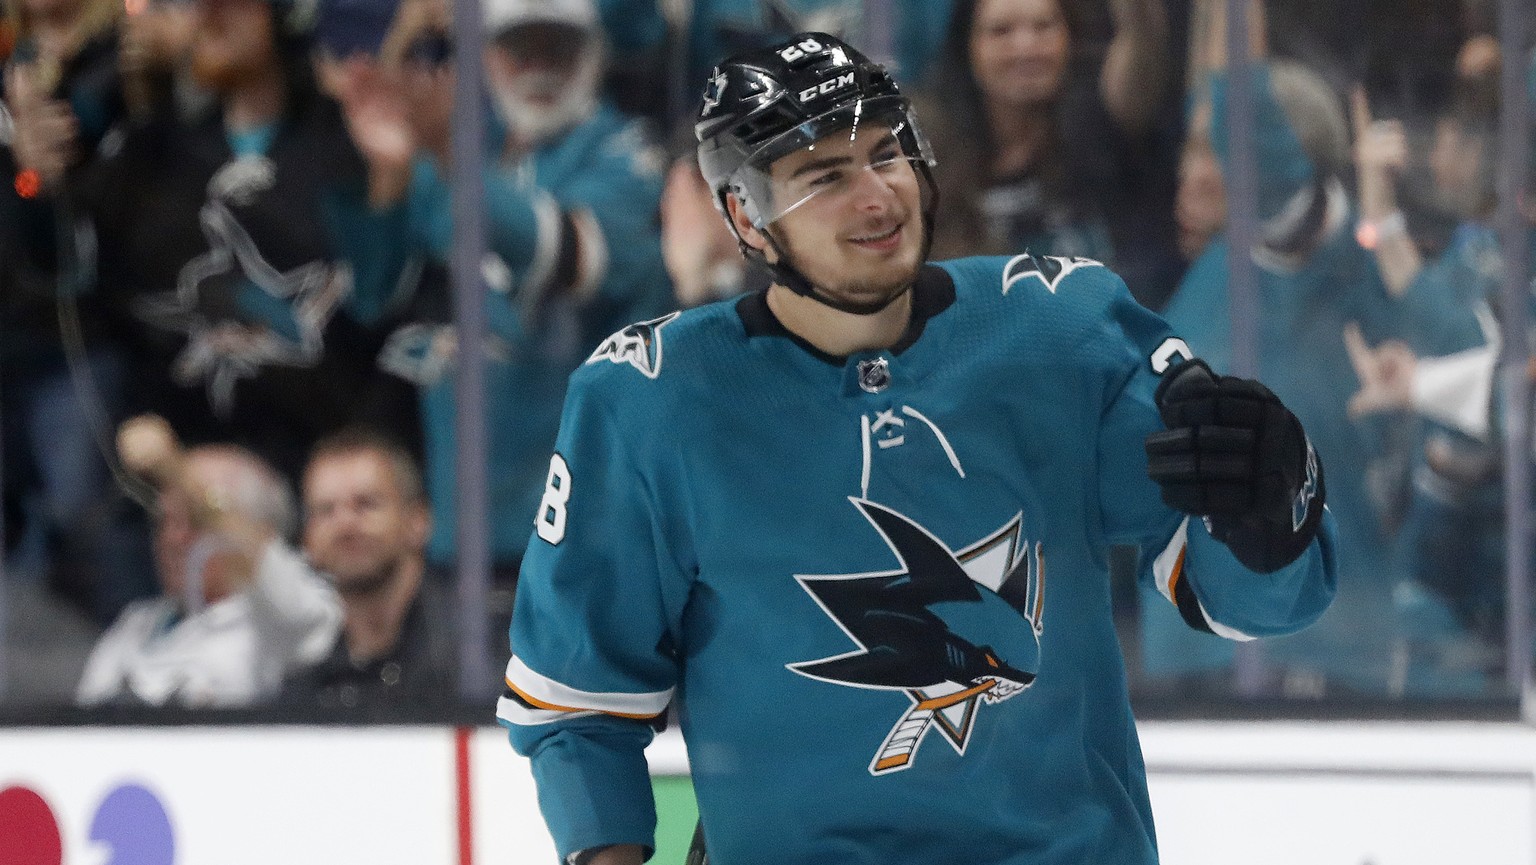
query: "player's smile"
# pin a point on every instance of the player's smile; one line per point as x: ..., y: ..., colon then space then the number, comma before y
x: 888, y: 240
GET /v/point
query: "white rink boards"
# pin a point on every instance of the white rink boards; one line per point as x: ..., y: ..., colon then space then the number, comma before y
x: 1223, y: 794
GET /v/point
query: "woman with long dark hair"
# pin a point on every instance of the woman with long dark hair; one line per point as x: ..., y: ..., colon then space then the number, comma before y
x: 1041, y: 141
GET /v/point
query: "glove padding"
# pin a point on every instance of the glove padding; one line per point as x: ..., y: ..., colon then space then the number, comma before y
x: 1234, y: 454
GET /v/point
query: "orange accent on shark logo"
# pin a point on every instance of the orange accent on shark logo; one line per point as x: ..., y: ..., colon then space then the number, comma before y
x: 917, y: 629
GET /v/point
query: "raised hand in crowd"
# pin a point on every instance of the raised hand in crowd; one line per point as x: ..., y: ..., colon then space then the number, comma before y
x: 47, y: 132
x: 1381, y: 155
x: 1479, y: 58
x: 1385, y: 372
x: 148, y: 447
x: 426, y: 81
x: 420, y: 48
x: 402, y: 102
x: 378, y: 119
x: 154, y: 40
x: 1136, y: 64
x: 700, y: 252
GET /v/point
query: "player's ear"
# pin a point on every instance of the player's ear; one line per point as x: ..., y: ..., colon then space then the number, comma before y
x: 743, y: 224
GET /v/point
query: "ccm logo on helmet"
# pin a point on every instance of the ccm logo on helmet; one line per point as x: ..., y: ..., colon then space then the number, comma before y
x: 826, y: 87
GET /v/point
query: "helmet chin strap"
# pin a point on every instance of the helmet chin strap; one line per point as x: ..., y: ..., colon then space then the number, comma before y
x: 786, y: 274
x: 789, y: 276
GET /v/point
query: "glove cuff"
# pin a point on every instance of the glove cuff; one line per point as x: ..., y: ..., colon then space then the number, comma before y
x: 1266, y: 544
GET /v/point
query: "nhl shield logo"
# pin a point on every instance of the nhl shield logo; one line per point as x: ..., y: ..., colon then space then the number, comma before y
x: 874, y: 375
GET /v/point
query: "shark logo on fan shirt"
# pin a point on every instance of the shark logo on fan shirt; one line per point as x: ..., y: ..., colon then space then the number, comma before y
x: 238, y: 312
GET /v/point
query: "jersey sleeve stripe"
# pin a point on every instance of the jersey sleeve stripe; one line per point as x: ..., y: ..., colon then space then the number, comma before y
x: 1197, y: 616
x: 1168, y: 567
x: 1168, y: 571
x: 551, y: 707
x: 512, y: 709
x: 550, y: 226
x: 544, y: 693
x: 1221, y: 630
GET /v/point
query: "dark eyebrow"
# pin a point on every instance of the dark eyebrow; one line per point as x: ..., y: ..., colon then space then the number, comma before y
x: 815, y: 165
x: 819, y: 164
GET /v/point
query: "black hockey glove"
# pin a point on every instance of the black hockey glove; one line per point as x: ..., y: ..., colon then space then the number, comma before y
x: 1235, y: 455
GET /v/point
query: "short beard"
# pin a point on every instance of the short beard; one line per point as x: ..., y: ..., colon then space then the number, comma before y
x: 535, y: 124
x: 369, y: 584
x: 885, y: 294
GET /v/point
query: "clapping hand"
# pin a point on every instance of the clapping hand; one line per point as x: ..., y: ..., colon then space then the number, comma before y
x: 1385, y: 373
x: 47, y: 134
x: 377, y: 119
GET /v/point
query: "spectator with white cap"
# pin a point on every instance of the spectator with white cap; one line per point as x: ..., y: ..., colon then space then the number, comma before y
x: 571, y: 194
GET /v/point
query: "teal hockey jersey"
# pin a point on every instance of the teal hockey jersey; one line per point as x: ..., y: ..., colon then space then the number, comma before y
x: 875, y: 586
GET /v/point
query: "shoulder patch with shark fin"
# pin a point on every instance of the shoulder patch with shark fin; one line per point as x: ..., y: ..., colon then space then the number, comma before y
x: 638, y: 345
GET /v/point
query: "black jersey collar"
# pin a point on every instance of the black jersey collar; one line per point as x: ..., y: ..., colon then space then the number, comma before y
x: 932, y: 293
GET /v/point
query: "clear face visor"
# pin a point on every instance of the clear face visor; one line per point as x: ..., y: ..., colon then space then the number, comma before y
x: 831, y: 158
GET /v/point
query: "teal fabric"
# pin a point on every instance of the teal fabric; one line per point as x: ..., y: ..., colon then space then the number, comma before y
x: 607, y: 167
x: 712, y: 533
x: 1302, y: 358
x: 255, y: 141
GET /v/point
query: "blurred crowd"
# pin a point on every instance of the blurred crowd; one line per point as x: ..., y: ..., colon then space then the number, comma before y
x: 227, y: 350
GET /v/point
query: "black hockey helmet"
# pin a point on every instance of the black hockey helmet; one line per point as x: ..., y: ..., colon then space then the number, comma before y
x: 762, y: 105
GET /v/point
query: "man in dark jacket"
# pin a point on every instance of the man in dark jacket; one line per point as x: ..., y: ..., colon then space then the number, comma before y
x: 366, y: 523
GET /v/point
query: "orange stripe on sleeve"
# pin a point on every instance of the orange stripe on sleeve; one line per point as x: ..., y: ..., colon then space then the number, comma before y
x: 540, y: 704
x: 1178, y: 573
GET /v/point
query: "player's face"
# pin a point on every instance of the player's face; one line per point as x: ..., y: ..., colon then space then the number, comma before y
x: 855, y: 227
x: 1019, y: 50
x: 358, y: 524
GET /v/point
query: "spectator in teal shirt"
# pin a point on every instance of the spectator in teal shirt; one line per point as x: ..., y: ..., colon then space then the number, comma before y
x: 571, y: 198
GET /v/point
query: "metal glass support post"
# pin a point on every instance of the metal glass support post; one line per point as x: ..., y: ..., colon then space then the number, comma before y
x: 1514, y: 381
x: 1242, y: 275
x: 5, y: 588
x: 681, y: 101
x: 880, y: 34
x: 476, y: 680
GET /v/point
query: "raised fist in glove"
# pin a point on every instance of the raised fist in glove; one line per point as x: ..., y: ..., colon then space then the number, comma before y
x: 1234, y: 454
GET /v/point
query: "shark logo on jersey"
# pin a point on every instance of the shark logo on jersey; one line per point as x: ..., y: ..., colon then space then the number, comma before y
x: 1049, y: 269
x: 716, y: 90
x: 638, y: 345
x: 1302, y: 504
x: 917, y: 629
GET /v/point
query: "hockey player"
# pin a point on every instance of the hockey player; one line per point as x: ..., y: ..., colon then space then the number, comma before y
x: 855, y: 526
